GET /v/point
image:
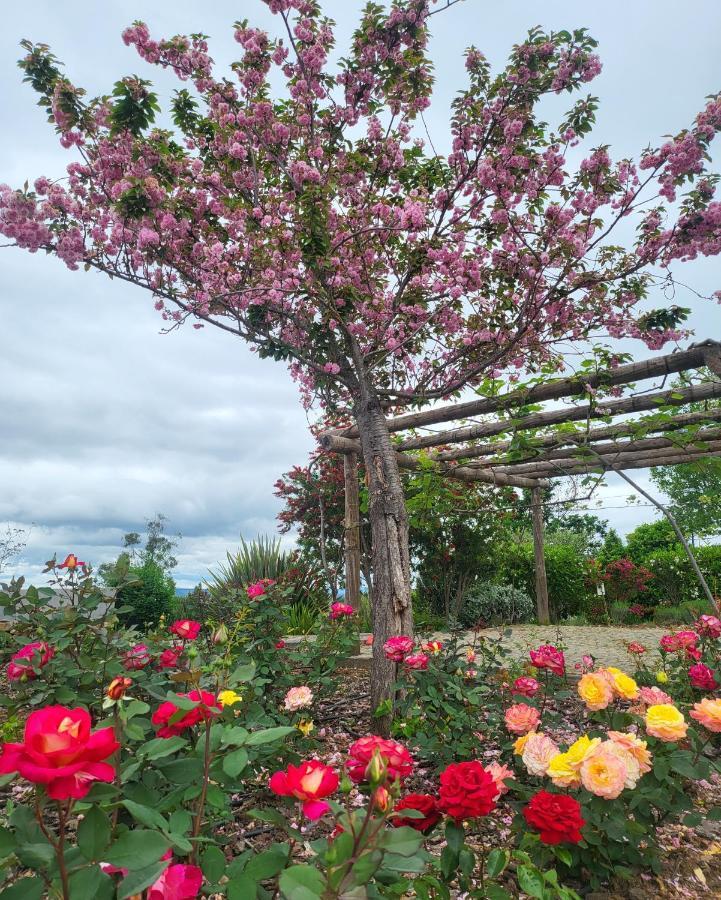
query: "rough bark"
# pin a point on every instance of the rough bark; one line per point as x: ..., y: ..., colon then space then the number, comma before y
x: 392, y: 610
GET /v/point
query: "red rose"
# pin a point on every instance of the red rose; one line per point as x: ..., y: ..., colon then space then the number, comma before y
x: 310, y: 782
x: 136, y: 658
x: 71, y: 562
x: 186, y: 629
x: 423, y: 803
x: 169, y: 658
x: 397, y: 760
x: 557, y: 818
x: 467, y: 790
x: 60, y: 752
x: 208, y: 707
x: 702, y: 677
x: 396, y: 648
x: 549, y: 657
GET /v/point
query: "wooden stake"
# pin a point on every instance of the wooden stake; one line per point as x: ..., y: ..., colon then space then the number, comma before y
x: 540, y: 560
x: 352, y: 530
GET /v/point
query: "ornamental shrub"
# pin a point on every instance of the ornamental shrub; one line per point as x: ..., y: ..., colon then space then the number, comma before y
x: 566, y: 574
x: 668, y: 615
x: 495, y: 604
x: 149, y: 594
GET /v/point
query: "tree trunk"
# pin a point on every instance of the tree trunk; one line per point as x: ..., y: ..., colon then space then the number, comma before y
x: 392, y: 611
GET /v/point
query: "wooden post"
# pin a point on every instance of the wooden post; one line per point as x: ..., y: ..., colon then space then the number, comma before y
x: 541, y: 583
x: 352, y: 530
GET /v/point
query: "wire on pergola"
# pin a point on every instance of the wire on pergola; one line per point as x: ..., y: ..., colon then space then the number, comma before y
x: 527, y: 459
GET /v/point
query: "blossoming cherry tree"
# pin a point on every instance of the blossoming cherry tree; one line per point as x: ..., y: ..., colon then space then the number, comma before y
x: 319, y: 226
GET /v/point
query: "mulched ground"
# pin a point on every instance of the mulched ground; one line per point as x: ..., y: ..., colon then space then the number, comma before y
x: 691, y: 857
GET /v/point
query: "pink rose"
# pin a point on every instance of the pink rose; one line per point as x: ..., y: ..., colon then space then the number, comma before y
x: 416, y: 661
x: 549, y: 657
x: 177, y: 882
x: 338, y: 610
x: 702, y: 677
x: 709, y: 626
x: 526, y: 686
x: 499, y: 773
x: 396, y: 648
x: 32, y: 656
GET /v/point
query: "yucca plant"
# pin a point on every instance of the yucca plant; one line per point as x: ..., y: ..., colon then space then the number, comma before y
x: 262, y: 558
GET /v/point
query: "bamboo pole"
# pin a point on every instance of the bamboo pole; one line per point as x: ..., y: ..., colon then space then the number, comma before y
x: 352, y: 530
x: 693, y: 394
x: 539, y: 557
x: 696, y: 356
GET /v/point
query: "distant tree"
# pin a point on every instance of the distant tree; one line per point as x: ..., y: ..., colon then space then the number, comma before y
x: 694, y: 490
x: 648, y: 538
x: 152, y: 591
x: 612, y: 548
x: 12, y: 543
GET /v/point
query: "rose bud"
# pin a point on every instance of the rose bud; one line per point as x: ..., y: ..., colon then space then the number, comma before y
x: 220, y: 635
x: 381, y: 800
x: 117, y: 687
x: 376, y: 770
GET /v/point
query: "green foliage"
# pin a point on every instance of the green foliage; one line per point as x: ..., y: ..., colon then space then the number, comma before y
x: 668, y: 615
x: 612, y: 548
x: 648, y: 538
x: 134, y: 106
x: 150, y: 595
x: 695, y: 493
x: 495, y: 604
x: 566, y: 574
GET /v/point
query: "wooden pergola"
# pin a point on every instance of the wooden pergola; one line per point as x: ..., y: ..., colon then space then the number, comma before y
x: 516, y: 447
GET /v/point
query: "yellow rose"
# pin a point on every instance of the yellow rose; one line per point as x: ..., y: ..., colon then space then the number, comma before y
x: 562, y: 772
x: 581, y: 749
x: 595, y: 690
x: 521, y: 743
x: 305, y: 727
x: 624, y: 685
x: 661, y: 677
x: 228, y: 698
x: 665, y: 722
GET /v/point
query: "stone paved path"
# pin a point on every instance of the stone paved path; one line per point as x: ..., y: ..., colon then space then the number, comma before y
x: 605, y: 643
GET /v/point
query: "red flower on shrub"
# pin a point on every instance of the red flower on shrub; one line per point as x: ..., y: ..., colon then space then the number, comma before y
x: 682, y: 640
x: 280, y: 645
x: 258, y: 588
x: 635, y: 647
x: 136, y: 658
x: 309, y: 782
x: 60, y: 752
x: 526, y: 686
x: 396, y: 648
x: 467, y: 791
x: 338, y: 610
x: 397, y: 760
x: 702, y: 677
x: 170, y: 657
x: 416, y: 661
x: 177, y: 882
x: 423, y: 803
x: 71, y: 562
x: 186, y: 629
x: 549, y: 657
x: 207, y: 708
x: 33, y: 656
x: 557, y: 818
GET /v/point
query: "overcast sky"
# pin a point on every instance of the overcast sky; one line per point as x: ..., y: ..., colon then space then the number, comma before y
x: 103, y: 420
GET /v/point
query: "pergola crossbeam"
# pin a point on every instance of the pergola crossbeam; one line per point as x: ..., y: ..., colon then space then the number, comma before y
x: 639, y: 403
x: 706, y: 353
x: 627, y: 444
